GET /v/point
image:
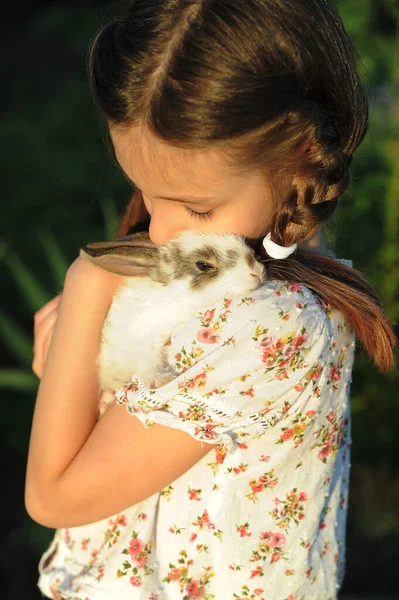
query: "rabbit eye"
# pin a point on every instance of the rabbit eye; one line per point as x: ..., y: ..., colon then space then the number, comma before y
x: 203, y: 266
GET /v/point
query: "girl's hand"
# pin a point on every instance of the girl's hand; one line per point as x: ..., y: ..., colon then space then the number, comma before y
x: 44, y: 322
x: 45, y: 318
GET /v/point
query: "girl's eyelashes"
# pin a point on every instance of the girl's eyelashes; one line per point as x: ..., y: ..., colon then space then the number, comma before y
x: 205, y: 216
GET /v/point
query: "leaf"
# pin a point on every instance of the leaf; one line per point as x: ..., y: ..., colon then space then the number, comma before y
x: 19, y: 380
x: 33, y: 292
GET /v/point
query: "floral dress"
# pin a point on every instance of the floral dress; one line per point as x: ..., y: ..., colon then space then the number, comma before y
x: 265, y: 379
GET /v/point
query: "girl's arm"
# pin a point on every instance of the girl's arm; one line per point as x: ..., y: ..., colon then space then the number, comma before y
x: 81, y: 469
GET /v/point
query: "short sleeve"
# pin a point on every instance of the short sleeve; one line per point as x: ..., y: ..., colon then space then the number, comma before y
x: 240, y: 365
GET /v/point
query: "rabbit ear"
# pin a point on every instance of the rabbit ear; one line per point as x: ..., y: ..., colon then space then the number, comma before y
x: 129, y: 255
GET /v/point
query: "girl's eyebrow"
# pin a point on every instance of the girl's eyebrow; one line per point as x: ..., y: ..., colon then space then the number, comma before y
x: 192, y: 200
x: 187, y: 199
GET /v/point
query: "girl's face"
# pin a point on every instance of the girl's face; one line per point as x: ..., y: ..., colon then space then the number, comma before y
x: 187, y: 189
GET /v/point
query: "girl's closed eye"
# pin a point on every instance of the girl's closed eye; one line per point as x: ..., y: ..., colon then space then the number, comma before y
x: 202, y: 216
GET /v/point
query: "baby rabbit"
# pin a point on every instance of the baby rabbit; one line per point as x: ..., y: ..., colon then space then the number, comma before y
x: 166, y: 286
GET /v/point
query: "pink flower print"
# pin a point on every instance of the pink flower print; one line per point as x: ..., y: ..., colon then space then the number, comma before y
x: 193, y: 494
x: 206, y: 336
x: 153, y: 596
x: 220, y: 454
x: 287, y: 434
x: 256, y: 487
x: 269, y: 358
x: 276, y: 556
x: 267, y: 536
x: 266, y: 341
x: 334, y: 373
x: 322, y: 525
x: 264, y: 458
x: 208, y: 315
x: 249, y: 392
x: 310, y: 413
x: 135, y: 581
x: 303, y: 496
x: 258, y: 591
x: 299, y: 387
x: 174, y: 574
x: 243, y: 530
x: 299, y: 305
x: 84, y: 543
x: 135, y: 547
x: 298, y: 341
x: 140, y: 562
x: 282, y: 375
x: 331, y: 417
x: 278, y: 345
x: 193, y: 589
x: 278, y: 540
x: 178, y: 356
x: 325, y: 451
x: 294, y: 287
x: 193, y: 537
x: 256, y: 572
x: 203, y: 521
x: 266, y: 479
x: 207, y: 431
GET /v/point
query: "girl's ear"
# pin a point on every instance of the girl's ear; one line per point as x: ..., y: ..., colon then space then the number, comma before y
x: 127, y: 256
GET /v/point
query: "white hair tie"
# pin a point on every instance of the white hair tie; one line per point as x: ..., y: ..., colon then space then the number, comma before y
x: 275, y: 250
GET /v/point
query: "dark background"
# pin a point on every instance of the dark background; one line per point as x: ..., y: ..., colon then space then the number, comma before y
x: 60, y: 189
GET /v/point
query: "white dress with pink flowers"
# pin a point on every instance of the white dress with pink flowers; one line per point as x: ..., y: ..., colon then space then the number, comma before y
x: 265, y: 379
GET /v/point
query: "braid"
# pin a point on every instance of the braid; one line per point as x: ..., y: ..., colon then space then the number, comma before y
x: 315, y: 196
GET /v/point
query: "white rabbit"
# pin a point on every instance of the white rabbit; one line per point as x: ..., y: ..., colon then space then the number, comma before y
x: 166, y: 286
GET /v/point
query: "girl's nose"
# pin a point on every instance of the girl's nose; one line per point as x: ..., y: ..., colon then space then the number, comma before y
x: 160, y: 232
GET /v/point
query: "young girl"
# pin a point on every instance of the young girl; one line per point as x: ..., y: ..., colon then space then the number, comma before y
x: 231, y: 481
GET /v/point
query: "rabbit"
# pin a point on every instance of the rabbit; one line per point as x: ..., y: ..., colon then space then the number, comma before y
x: 166, y: 285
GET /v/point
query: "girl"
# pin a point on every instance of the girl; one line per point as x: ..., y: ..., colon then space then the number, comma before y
x: 231, y: 481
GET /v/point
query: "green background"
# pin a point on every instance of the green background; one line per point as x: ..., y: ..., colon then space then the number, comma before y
x: 60, y: 189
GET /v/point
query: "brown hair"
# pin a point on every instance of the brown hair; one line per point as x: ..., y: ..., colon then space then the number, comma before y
x: 274, y: 85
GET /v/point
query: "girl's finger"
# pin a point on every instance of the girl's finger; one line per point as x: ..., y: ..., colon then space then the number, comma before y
x: 42, y: 312
x: 41, y: 355
x: 42, y: 336
x: 46, y: 345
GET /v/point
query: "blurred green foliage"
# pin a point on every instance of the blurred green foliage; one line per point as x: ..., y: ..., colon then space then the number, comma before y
x: 62, y: 190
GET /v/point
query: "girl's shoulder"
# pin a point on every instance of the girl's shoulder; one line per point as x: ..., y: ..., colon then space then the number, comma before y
x: 278, y: 306
x: 278, y: 310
